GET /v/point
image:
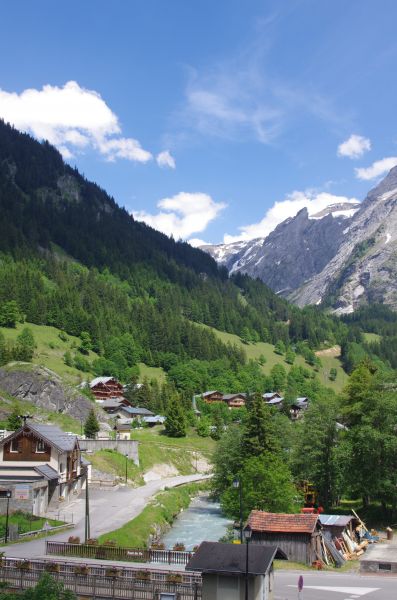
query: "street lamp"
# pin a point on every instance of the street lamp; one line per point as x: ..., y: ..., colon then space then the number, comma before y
x: 247, y: 535
x: 237, y: 485
x: 126, y: 467
x: 8, y: 496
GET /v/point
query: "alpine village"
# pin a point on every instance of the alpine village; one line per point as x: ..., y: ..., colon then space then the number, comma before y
x: 179, y: 419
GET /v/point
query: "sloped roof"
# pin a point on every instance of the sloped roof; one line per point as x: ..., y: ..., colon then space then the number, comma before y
x: 97, y: 380
x: 281, y: 522
x: 267, y: 395
x: 54, y: 436
x: 47, y: 472
x: 111, y: 403
x: 210, y: 393
x: 335, y: 520
x: 231, y: 396
x: 138, y: 411
x: 155, y: 419
x: 214, y: 557
x: 275, y: 400
x: 49, y: 433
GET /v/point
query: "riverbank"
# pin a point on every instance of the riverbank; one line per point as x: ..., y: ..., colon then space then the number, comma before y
x: 156, y: 517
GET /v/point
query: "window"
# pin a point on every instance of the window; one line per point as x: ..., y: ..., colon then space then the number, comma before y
x: 384, y: 566
x: 40, y: 447
x: 14, y: 446
x: 62, y: 468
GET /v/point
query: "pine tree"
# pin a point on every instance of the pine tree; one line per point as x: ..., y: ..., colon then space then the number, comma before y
x: 14, y: 420
x: 91, y: 426
x: 25, y: 345
x: 175, y: 424
x: 86, y: 343
x: 259, y: 431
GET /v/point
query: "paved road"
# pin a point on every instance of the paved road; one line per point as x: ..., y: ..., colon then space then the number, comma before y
x: 109, y: 510
x: 334, y: 586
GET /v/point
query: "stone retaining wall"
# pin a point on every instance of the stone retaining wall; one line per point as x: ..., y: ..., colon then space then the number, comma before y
x: 129, y: 447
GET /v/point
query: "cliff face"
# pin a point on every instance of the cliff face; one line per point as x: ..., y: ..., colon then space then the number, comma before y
x: 45, y: 390
x: 295, y: 251
x: 364, y: 269
x: 344, y: 256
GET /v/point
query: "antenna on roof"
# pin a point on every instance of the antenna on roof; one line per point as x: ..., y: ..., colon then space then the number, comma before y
x: 25, y: 417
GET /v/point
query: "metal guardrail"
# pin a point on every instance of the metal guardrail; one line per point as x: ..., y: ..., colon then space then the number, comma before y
x: 104, y: 552
x: 102, y: 581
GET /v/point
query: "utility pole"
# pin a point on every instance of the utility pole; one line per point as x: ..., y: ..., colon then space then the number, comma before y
x: 87, y: 533
x: 8, y: 496
x: 126, y: 468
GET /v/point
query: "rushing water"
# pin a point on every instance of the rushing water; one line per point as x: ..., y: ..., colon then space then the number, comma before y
x: 202, y: 521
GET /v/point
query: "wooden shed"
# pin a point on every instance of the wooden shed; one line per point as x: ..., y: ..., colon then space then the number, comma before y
x: 296, y: 535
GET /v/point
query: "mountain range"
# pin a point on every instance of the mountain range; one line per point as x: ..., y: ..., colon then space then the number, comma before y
x: 342, y: 257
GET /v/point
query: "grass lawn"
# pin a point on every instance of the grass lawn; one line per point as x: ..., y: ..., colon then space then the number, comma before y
x: 26, y: 522
x: 155, y: 517
x: 253, y: 351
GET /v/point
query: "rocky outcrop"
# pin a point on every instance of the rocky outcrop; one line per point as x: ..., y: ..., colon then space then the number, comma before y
x: 44, y: 389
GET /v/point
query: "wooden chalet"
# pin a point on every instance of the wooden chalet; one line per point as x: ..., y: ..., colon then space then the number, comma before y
x: 298, y: 407
x: 273, y: 398
x: 104, y: 388
x: 41, y: 464
x: 298, y: 536
x: 212, y: 396
x: 234, y: 400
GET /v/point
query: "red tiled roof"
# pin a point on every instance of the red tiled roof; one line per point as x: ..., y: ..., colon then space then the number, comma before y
x: 282, y: 523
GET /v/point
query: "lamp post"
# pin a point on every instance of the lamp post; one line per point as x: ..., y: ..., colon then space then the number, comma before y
x: 237, y: 485
x: 247, y: 535
x: 8, y: 496
x: 126, y: 468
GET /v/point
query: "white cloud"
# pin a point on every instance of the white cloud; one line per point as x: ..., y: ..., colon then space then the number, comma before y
x: 182, y: 214
x: 71, y: 118
x: 312, y: 200
x: 196, y: 242
x: 354, y: 147
x: 165, y: 159
x: 378, y: 168
x: 232, y: 105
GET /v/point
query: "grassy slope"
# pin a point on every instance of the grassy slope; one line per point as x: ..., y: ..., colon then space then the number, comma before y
x: 51, y: 349
x: 151, y: 373
x: 253, y: 351
x: 156, y: 449
x: 372, y: 337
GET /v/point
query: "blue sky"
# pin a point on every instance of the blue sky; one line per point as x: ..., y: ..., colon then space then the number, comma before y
x: 209, y: 119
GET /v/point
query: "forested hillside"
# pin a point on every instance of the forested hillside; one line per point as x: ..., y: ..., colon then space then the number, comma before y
x: 73, y: 259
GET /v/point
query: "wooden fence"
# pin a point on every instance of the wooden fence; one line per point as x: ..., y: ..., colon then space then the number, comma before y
x: 102, y: 581
x: 140, y: 555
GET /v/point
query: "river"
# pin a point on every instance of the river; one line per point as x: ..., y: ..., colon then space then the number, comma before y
x: 201, y: 521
